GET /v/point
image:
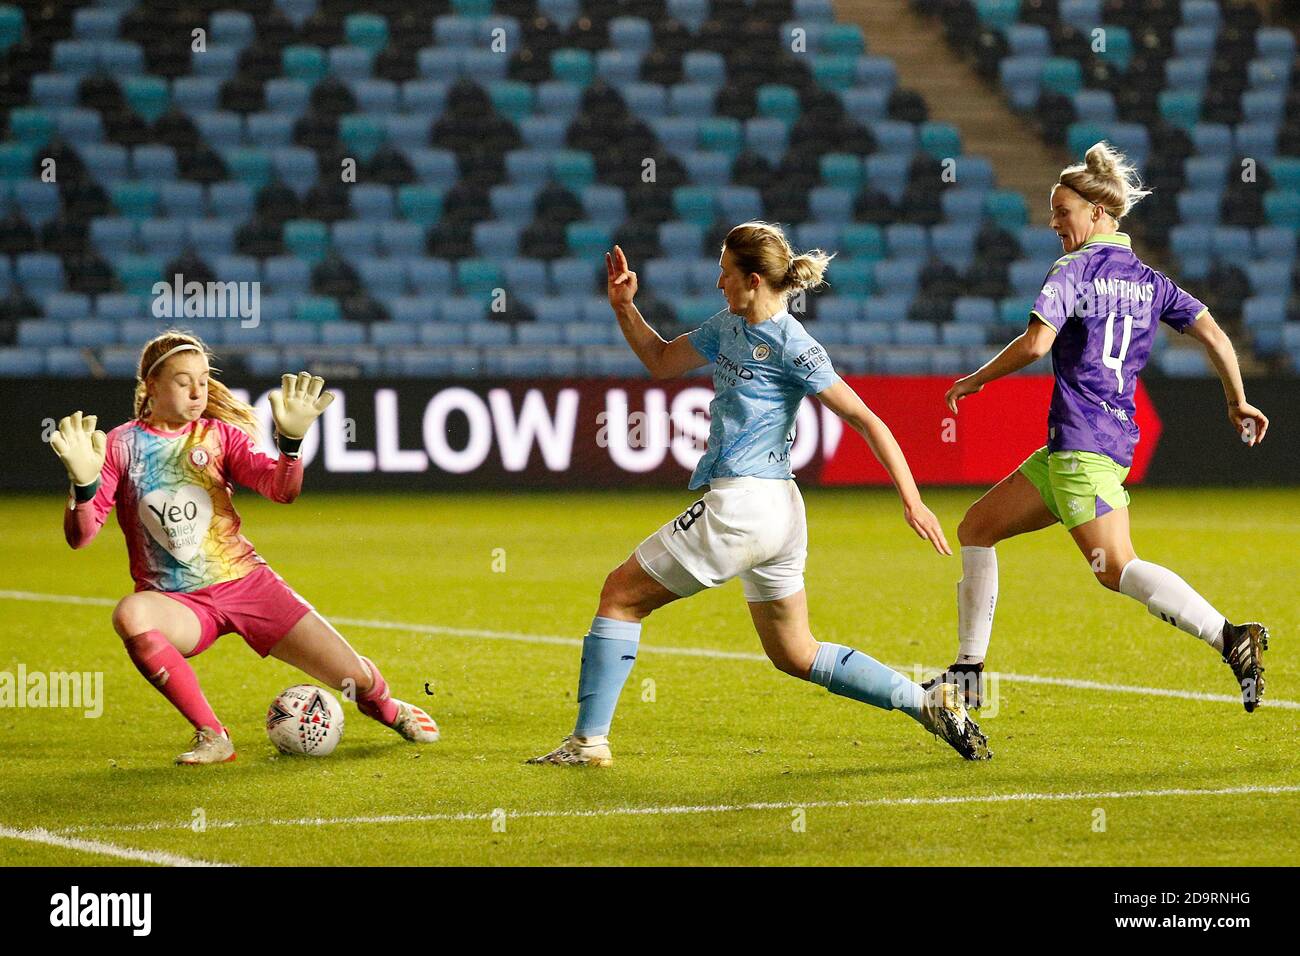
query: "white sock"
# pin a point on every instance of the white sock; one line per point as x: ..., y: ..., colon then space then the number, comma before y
x: 977, y: 596
x: 1172, y: 599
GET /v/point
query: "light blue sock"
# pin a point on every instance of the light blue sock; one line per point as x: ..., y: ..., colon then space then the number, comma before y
x: 608, y: 653
x: 850, y: 673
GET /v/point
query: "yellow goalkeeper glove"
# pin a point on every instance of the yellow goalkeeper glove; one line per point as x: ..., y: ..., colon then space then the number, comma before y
x: 80, y: 446
x: 297, y: 403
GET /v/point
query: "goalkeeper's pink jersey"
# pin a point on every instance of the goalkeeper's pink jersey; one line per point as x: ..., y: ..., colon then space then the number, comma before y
x: 172, y: 492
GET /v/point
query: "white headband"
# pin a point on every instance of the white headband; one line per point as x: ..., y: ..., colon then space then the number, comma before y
x: 184, y: 347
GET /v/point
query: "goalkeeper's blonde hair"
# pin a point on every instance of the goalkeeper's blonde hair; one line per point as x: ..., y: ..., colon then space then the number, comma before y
x: 222, y: 405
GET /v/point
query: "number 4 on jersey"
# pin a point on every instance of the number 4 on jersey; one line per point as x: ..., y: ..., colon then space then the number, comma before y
x: 1116, y: 361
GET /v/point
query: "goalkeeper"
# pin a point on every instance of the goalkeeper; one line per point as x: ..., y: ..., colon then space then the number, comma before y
x: 170, y: 473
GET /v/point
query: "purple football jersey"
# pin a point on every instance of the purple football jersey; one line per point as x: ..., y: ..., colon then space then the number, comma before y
x: 1104, y: 304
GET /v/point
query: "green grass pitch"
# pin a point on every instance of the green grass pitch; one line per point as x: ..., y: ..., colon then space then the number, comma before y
x: 719, y: 759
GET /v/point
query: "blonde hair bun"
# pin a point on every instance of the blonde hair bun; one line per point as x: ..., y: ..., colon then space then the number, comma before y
x: 1107, y: 178
x: 762, y: 248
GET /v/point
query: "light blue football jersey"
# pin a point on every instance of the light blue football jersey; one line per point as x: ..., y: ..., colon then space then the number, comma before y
x: 760, y: 375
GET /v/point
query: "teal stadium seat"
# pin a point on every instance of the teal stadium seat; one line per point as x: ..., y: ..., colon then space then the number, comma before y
x: 135, y: 200
x: 695, y: 204
x: 587, y: 240
x: 721, y: 134
x: 940, y: 140
x: 362, y: 135
x: 1006, y: 208
x: 573, y: 66
x: 834, y: 71
x: 1182, y: 108
x: 1282, y: 208
x: 11, y: 27
x: 476, y: 9
x: 1285, y: 171
x: 861, y: 240
x: 1119, y: 46
x: 318, y: 309
x: 575, y: 170
x: 304, y: 62
x: 842, y: 171
x: 16, y: 160
x: 853, y: 277
x: 31, y: 126
x: 478, y: 277
x: 307, y: 239
x: 367, y: 31
x: 420, y: 204
x: 1080, y: 137
x: 148, y: 96
x: 250, y: 165
x: 998, y: 14
x: 511, y: 99
x: 139, y: 273
x: 777, y: 101
x: 1062, y: 75
x: 843, y: 39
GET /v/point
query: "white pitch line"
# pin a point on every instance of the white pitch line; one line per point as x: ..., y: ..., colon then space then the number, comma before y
x: 687, y: 810
x: 708, y: 652
x: 160, y: 857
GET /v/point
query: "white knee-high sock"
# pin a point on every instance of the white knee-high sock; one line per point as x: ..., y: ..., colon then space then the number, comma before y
x: 977, y: 596
x: 1172, y: 599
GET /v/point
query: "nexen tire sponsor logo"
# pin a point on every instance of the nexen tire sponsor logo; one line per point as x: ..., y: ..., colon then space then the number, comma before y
x: 812, y: 359
x: 75, y: 908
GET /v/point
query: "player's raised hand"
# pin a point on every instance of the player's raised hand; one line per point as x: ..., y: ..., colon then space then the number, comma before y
x: 298, y: 402
x: 959, y: 390
x: 80, y: 446
x: 1250, y: 422
x: 621, y: 281
x: 927, y: 526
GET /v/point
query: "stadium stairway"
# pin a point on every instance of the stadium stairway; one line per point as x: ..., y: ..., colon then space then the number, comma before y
x: 955, y: 94
x: 1144, y: 94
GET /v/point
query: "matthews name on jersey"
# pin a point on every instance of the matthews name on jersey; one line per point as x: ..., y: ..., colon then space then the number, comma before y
x: 1104, y: 304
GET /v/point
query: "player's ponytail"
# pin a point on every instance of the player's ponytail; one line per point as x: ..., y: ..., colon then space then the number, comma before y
x: 807, y: 270
x: 761, y: 247
x: 222, y: 405
x: 1106, y: 178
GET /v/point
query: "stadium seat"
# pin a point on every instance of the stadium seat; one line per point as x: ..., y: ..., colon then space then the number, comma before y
x: 307, y: 239
x: 862, y: 241
x: 496, y: 240
x: 41, y: 333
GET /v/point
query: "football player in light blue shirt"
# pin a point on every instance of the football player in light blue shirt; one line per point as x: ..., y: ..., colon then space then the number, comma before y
x: 750, y: 524
x: 761, y: 372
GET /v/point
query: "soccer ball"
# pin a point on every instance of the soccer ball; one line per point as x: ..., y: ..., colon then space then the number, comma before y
x: 305, y: 720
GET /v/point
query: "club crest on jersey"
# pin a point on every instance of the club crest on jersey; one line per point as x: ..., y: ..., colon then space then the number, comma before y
x: 199, y: 457
x: 761, y: 352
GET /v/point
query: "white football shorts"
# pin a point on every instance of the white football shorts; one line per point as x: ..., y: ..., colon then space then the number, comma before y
x: 751, y: 528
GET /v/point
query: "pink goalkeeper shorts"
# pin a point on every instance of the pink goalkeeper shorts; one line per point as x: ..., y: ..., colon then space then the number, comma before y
x: 259, y: 607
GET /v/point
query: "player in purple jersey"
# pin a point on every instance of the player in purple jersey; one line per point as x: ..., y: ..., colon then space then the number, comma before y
x: 1098, y: 314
